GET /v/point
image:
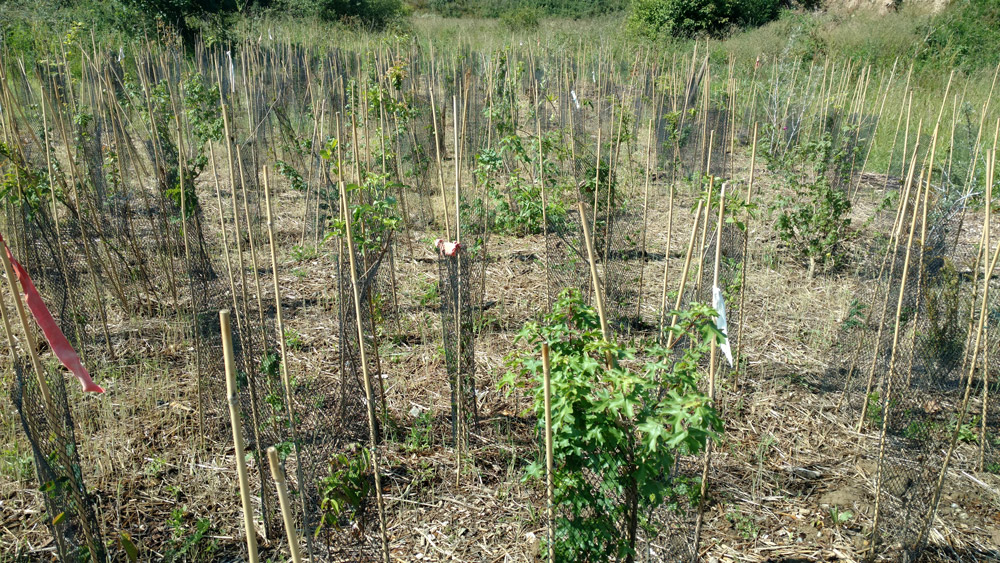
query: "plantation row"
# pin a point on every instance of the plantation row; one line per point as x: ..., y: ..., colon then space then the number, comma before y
x: 441, y: 270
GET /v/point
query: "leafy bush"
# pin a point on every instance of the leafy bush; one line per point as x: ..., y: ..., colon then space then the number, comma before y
x: 515, y: 205
x: 22, y: 185
x: 520, y: 212
x: 369, y: 14
x: 344, y: 492
x: 421, y: 433
x: 496, y: 8
x: 690, y: 18
x: 813, y: 221
x: 521, y: 19
x: 616, y: 431
x: 187, y: 543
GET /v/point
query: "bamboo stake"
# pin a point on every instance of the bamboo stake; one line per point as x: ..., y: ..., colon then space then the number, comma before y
x: 878, y: 338
x: 74, y: 174
x: 286, y: 509
x: 645, y: 209
x: 597, y: 180
x: 459, y: 379
x: 251, y: 379
x: 56, y: 223
x: 746, y: 262
x: 541, y: 185
x: 549, y: 454
x: 222, y: 230
x: 892, y: 363
x: 234, y: 421
x: 686, y: 268
x: 440, y: 166
x: 187, y: 261
x: 965, y: 400
x: 238, y: 236
x: 369, y: 399
x: 920, y: 259
x: 878, y: 120
x: 598, y: 293
x: 704, y: 231
x: 666, y: 256
x: 285, y: 380
x: 29, y: 336
x: 711, y: 375
x: 991, y: 163
x: 49, y: 410
x: 250, y: 238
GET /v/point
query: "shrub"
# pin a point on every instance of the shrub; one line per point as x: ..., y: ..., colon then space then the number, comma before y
x: 345, y: 490
x: 515, y: 204
x: 616, y: 431
x: 369, y: 14
x: 521, y: 19
x: 753, y: 13
x: 690, y: 18
x: 813, y: 221
x: 497, y: 8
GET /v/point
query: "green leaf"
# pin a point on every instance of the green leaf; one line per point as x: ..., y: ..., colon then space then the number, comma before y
x: 131, y: 551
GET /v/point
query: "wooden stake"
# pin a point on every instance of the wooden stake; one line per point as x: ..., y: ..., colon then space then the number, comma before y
x: 965, y: 400
x: 991, y: 163
x: 746, y: 263
x: 598, y: 292
x: 549, y: 454
x: 459, y: 379
x: 286, y: 509
x: 369, y: 399
x: 704, y: 231
x: 711, y: 373
x: 234, y: 421
x: 686, y: 268
x: 901, y: 213
x: 285, y: 380
x: 892, y: 364
x: 440, y: 166
x: 29, y: 336
x: 666, y: 257
x: 645, y: 209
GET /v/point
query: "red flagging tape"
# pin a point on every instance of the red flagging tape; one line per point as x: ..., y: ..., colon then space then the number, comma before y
x: 57, y: 340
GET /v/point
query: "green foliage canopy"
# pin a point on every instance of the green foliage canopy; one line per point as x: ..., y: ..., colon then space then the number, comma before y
x: 692, y: 18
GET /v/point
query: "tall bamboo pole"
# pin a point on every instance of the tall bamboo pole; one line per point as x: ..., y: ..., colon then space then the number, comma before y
x: 666, y: 257
x: 901, y: 221
x: 595, y: 280
x: 991, y: 163
x: 645, y: 214
x: 892, y: 362
x: 234, y: 421
x: 440, y: 165
x: 369, y: 394
x: 549, y: 453
x: 459, y: 379
x: 711, y: 373
x: 686, y: 269
x: 286, y: 510
x: 746, y: 261
x: 983, y: 310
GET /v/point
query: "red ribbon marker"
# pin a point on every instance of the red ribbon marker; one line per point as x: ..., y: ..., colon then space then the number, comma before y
x: 55, y: 337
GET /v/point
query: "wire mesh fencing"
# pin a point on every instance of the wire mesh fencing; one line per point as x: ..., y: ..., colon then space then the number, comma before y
x: 908, y: 338
x: 48, y: 424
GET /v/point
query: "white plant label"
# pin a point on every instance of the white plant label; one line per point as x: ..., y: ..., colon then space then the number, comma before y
x: 719, y: 304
